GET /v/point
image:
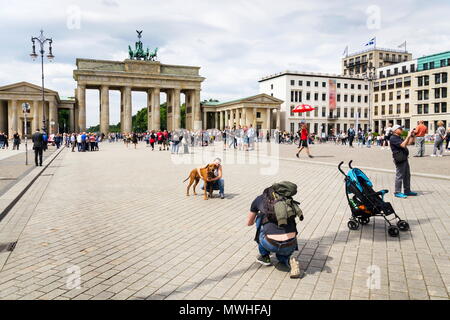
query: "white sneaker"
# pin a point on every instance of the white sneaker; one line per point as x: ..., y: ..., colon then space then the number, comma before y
x: 440, y: 155
x: 432, y: 155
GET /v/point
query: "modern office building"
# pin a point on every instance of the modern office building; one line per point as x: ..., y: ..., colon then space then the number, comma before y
x: 361, y: 62
x: 430, y: 90
x: 339, y: 100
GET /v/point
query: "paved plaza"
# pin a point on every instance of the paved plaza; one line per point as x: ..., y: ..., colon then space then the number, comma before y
x: 120, y: 219
x: 12, y: 165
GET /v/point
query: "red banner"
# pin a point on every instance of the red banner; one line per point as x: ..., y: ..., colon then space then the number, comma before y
x: 332, y: 94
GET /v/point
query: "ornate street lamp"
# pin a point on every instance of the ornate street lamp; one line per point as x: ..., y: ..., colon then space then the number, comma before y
x: 370, y: 76
x: 26, y: 110
x: 41, y: 40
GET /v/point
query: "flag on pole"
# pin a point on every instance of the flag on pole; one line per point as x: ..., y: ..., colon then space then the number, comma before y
x: 345, y: 52
x: 371, y: 42
x: 403, y: 45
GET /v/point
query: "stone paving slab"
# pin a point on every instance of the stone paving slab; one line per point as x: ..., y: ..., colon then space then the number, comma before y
x: 121, y: 220
x: 13, y: 168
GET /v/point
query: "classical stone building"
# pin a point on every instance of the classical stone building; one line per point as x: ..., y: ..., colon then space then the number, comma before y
x: 261, y: 111
x: 151, y: 77
x: 11, y: 115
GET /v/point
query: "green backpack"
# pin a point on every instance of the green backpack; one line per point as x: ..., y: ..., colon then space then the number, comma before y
x: 286, y: 207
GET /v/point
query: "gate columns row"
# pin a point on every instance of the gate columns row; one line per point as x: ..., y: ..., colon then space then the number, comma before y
x: 193, y: 112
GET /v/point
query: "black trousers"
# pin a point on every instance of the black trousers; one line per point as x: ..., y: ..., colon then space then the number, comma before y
x: 350, y: 140
x: 38, y: 154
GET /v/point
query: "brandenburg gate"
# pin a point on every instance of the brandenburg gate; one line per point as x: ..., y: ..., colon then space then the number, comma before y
x: 151, y: 77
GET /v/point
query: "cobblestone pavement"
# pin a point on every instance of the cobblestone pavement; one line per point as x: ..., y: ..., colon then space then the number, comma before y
x: 12, y: 165
x: 121, y: 218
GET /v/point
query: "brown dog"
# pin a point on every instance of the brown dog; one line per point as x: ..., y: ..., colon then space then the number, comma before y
x: 206, y: 173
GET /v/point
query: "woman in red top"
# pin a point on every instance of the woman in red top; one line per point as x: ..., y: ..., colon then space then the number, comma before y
x: 303, y: 141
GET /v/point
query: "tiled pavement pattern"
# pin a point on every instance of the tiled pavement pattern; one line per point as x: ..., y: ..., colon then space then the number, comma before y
x: 12, y: 165
x: 123, y: 218
x: 372, y: 157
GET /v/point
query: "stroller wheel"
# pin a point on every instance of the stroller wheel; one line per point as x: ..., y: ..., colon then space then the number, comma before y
x: 363, y: 220
x: 353, y: 225
x: 393, y: 231
x: 403, y: 225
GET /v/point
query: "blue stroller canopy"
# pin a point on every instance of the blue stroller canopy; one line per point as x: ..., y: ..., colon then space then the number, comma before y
x: 355, y: 175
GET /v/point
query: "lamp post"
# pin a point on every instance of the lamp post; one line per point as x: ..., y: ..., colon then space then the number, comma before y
x: 370, y: 76
x: 26, y: 110
x: 41, y: 40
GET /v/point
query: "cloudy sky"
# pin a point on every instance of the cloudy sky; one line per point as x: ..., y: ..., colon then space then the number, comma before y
x: 235, y: 42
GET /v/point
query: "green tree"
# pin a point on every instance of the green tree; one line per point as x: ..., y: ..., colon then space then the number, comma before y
x: 140, y: 119
x: 63, y: 120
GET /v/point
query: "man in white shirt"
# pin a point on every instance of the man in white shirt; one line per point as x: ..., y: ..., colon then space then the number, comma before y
x: 79, y: 142
x: 251, y: 137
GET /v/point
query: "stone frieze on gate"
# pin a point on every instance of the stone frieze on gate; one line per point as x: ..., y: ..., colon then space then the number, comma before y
x: 135, y: 67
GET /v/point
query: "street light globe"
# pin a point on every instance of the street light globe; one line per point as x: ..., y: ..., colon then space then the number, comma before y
x: 50, y: 57
x: 33, y: 56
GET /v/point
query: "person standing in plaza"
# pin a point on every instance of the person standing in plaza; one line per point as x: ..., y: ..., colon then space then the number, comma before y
x: 369, y: 138
x: 152, y: 140
x: 351, y: 135
x: 224, y: 138
x: 303, y: 144
x: 420, y: 132
x: 388, y: 132
x: 175, y: 143
x: 439, y: 139
x: 134, y: 139
x: 38, y: 147
x: 251, y: 137
x: 447, y: 140
x: 16, y: 141
x: 400, y: 154
x: 2, y: 140
x: 73, y: 141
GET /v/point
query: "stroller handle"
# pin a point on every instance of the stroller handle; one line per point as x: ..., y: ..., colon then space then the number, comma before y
x: 350, y: 164
x: 339, y: 167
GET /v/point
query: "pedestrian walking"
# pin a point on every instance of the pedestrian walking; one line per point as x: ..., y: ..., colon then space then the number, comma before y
x: 303, y: 144
x: 38, y: 147
x: 439, y: 139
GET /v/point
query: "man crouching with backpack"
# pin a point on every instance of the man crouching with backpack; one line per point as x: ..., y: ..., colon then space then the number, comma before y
x: 274, y: 214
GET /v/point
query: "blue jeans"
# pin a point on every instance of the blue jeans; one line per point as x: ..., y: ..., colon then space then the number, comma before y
x: 175, y: 147
x: 265, y: 247
x: 217, y: 185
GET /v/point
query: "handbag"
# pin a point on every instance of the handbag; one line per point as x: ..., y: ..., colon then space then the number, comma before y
x: 400, y: 156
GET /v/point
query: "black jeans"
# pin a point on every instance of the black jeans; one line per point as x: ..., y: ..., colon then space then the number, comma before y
x: 38, y: 154
x: 350, y: 140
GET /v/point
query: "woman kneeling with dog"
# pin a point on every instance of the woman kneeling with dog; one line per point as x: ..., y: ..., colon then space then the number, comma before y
x: 274, y: 214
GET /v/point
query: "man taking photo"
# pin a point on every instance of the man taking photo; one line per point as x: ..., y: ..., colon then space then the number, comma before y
x: 400, y: 154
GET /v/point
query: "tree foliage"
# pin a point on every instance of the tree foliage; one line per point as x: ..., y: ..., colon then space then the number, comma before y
x: 140, y: 119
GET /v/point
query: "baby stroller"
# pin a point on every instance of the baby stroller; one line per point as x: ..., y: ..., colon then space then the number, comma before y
x: 366, y: 203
